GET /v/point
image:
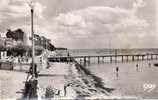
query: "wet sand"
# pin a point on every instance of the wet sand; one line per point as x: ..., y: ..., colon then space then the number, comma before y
x: 130, y: 80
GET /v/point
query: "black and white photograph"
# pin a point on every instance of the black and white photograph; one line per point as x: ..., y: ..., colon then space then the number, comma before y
x: 78, y: 49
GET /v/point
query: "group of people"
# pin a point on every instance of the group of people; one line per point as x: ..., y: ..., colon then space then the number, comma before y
x: 137, y: 67
x: 23, y: 59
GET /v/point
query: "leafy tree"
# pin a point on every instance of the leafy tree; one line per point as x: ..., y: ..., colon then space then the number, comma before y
x: 18, y: 50
x: 15, y: 35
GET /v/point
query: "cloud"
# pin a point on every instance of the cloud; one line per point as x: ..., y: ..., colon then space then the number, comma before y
x: 17, y: 13
x: 97, y: 24
x: 87, y: 27
x: 138, y: 4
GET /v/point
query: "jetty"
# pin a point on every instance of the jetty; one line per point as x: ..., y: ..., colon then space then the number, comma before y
x: 105, y: 58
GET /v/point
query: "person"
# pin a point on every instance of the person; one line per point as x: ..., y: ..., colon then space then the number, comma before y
x: 48, y: 65
x: 149, y: 65
x: 137, y: 67
x: 36, y: 73
x: 30, y: 74
x: 68, y: 54
x: 117, y: 70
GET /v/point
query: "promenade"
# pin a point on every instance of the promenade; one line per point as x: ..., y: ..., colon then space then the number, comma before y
x: 11, y: 84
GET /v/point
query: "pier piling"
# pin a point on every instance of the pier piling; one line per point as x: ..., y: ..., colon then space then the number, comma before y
x: 110, y: 59
x: 132, y: 58
x: 98, y: 60
x: 122, y: 58
x: 127, y: 58
x: 89, y: 60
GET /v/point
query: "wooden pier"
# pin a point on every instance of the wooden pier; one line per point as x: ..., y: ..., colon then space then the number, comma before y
x: 105, y: 58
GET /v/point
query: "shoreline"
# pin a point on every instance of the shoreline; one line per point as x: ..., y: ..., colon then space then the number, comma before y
x: 77, y: 82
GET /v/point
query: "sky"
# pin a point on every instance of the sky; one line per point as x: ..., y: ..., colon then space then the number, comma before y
x: 86, y: 24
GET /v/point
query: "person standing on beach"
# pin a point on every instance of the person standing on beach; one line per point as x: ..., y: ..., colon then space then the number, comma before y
x: 149, y: 65
x: 137, y: 67
x: 68, y: 54
x: 117, y: 70
x: 68, y: 59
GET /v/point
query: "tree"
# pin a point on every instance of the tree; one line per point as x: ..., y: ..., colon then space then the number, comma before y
x: 15, y: 35
x: 18, y: 50
x: 51, y: 47
x: 9, y: 34
x: 44, y: 42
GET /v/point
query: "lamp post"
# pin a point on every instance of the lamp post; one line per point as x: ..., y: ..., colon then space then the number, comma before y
x: 31, y: 85
x: 32, y: 35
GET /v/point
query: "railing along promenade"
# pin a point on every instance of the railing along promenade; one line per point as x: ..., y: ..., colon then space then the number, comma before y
x: 103, y: 58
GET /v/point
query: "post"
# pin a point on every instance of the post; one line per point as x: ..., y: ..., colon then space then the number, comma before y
x: 122, y: 58
x: 133, y: 58
x: 143, y: 57
x: 137, y: 57
x: 147, y: 56
x: 127, y: 58
x: 33, y: 52
x: 103, y: 59
x: 115, y: 58
x: 110, y: 59
x: 84, y: 61
x: 151, y: 57
x: 98, y: 60
x: 31, y: 85
x: 89, y: 61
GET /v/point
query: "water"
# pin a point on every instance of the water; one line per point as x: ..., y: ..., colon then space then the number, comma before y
x: 132, y: 81
x: 75, y: 52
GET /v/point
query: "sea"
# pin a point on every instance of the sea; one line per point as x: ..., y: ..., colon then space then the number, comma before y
x: 78, y: 52
x: 130, y: 81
